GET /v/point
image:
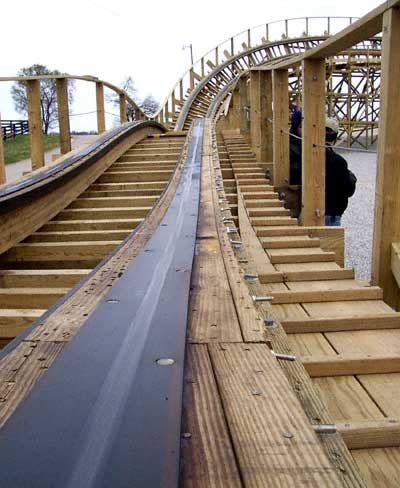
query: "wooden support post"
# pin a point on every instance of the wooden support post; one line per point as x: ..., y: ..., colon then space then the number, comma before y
x: 101, y: 118
x: 35, y: 123
x: 235, y: 109
x: 280, y: 138
x: 244, y: 106
x: 63, y: 115
x: 191, y: 79
x: 260, y: 111
x: 387, y: 203
x: 122, y: 108
x: 2, y: 162
x: 313, y: 133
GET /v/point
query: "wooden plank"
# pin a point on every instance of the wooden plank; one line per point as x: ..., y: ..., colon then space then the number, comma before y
x: 207, y: 456
x: 351, y: 364
x: 2, y: 162
x: 280, y: 127
x: 367, y: 293
x: 369, y: 434
x: 385, y: 390
x: 122, y: 108
x: 312, y: 275
x: 251, y: 242
x: 274, y: 442
x: 346, y: 399
x: 313, y: 132
x: 359, y: 308
x: 40, y: 298
x: 35, y: 123
x: 63, y: 115
x: 34, y: 278
x: 334, y: 324
x: 212, y: 311
x: 379, y: 467
x: 387, y: 203
x: 100, y: 111
x: 14, y: 321
x: 395, y: 261
x: 302, y: 255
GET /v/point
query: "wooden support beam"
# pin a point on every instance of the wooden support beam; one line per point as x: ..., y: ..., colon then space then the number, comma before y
x: 280, y: 138
x: 234, y: 110
x: 260, y: 111
x: 2, y: 161
x: 122, y: 108
x: 244, y: 106
x: 362, y: 293
x: 35, y: 123
x: 101, y: 118
x: 338, y: 324
x: 350, y: 364
x: 63, y: 115
x: 370, y: 434
x: 387, y: 202
x: 313, y: 132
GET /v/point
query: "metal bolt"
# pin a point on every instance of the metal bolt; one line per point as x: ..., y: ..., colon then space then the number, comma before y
x: 284, y: 357
x: 165, y: 361
x: 261, y: 299
x: 325, y: 429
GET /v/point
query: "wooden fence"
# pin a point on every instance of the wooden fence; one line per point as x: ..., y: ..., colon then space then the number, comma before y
x: 12, y: 128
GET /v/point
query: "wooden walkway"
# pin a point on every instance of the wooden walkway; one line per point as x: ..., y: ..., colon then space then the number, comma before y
x: 340, y: 341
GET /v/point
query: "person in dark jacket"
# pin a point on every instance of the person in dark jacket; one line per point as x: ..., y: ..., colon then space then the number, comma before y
x: 295, y: 148
x: 339, y: 181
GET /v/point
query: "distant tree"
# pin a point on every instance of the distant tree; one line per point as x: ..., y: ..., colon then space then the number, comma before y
x: 129, y: 87
x: 149, y: 105
x: 48, y: 95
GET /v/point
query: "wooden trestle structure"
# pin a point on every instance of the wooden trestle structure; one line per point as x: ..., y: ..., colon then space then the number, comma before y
x: 292, y: 369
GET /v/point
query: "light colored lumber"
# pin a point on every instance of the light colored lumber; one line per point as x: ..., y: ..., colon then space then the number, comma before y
x: 15, y: 321
x: 387, y: 203
x: 351, y: 364
x: 280, y: 126
x: 334, y: 324
x: 379, y: 467
x: 35, y: 123
x: 313, y: 132
x: 100, y: 111
x: 346, y: 399
x: 63, y: 115
x: 212, y: 311
x: 395, y: 261
x: 207, y: 457
x: 39, y: 298
x: 2, y: 161
x: 274, y: 442
x: 34, y: 278
x: 369, y: 434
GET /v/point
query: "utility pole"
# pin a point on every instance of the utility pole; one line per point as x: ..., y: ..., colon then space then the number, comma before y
x: 191, y: 52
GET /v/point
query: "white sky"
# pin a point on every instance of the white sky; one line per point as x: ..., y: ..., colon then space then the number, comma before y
x: 143, y: 39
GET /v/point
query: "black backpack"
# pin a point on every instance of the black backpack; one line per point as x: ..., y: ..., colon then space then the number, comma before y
x: 351, y: 183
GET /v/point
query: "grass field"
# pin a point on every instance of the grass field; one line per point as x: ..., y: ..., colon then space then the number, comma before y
x: 19, y: 148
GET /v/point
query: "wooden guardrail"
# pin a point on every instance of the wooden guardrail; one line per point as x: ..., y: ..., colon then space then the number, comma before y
x: 312, y: 66
x: 35, y: 117
x: 13, y: 128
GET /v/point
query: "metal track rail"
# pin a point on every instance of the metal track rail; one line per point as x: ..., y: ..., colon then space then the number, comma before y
x: 108, y: 412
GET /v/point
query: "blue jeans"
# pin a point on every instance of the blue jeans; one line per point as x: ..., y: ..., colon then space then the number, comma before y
x: 333, y: 220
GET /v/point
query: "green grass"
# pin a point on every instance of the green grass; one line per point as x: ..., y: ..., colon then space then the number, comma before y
x: 19, y: 148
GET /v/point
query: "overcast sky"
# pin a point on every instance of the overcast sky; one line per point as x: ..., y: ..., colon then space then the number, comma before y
x: 137, y: 38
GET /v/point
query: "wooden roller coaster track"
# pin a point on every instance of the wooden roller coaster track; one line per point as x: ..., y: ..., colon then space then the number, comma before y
x: 165, y: 320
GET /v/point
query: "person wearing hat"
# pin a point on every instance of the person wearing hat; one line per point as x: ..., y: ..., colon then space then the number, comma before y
x: 340, y: 182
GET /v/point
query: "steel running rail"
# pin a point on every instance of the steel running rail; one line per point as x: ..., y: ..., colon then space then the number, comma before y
x: 108, y: 411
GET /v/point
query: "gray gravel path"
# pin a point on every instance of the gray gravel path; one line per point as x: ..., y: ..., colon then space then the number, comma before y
x: 358, y: 219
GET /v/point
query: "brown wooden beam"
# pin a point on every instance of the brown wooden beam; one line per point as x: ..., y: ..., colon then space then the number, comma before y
x: 122, y: 108
x: 313, y: 133
x: 101, y: 119
x: 2, y: 162
x: 35, y: 123
x: 370, y: 434
x: 339, y: 324
x: 63, y: 115
x: 387, y: 202
x: 280, y: 90
x: 350, y: 364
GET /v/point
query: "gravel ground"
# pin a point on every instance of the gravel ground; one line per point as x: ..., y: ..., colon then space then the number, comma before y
x: 358, y: 219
